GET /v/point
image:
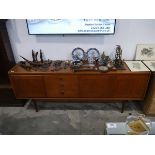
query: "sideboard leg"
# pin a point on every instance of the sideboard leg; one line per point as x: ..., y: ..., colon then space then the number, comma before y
x: 35, y: 105
x: 123, y: 105
x: 27, y: 103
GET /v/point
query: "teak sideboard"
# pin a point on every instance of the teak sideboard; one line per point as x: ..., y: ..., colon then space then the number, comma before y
x: 66, y: 85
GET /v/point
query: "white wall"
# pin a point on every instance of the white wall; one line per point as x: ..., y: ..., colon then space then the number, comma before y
x: 128, y: 33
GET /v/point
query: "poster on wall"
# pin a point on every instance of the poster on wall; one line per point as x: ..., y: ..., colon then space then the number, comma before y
x: 136, y: 66
x: 145, y: 52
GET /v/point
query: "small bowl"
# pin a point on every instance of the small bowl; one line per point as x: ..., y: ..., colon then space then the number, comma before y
x: 103, y: 68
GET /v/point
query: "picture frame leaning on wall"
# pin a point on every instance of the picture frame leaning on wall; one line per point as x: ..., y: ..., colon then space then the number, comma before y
x: 145, y: 52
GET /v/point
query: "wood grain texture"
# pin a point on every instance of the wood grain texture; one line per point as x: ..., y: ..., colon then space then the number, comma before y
x: 61, y: 86
x: 28, y: 86
x: 79, y: 86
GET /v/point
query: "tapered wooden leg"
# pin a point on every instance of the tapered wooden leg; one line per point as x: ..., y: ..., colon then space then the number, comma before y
x: 123, y: 105
x: 35, y: 105
x: 27, y: 103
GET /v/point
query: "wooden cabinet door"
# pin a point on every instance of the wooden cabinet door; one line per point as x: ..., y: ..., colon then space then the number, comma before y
x: 131, y: 86
x: 61, y: 86
x: 96, y: 86
x: 26, y: 86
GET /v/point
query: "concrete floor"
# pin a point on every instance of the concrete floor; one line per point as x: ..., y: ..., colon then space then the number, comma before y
x: 63, y: 118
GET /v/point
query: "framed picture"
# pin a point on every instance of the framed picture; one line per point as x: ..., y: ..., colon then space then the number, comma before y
x: 150, y: 65
x: 145, y: 52
x: 136, y: 66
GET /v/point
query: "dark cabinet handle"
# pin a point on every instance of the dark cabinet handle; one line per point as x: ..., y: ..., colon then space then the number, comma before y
x: 61, y: 79
x: 62, y: 93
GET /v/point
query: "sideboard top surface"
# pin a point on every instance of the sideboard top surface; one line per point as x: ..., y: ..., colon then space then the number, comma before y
x: 17, y: 69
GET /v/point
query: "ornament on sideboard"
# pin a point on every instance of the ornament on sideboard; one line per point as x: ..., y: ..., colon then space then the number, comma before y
x: 67, y: 64
x: 41, y: 57
x: 91, y: 60
x: 35, y: 63
x: 93, y: 56
x: 78, y: 54
x: 118, y: 62
x: 104, y: 59
x: 35, y: 56
x: 107, y: 61
x: 57, y: 65
x: 110, y: 65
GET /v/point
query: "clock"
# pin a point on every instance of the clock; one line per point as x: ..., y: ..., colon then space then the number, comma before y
x: 78, y: 54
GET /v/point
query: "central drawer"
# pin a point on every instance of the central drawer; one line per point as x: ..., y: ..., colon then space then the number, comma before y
x: 61, y: 86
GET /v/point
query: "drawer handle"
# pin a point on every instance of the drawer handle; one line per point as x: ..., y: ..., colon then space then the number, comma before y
x: 62, y: 93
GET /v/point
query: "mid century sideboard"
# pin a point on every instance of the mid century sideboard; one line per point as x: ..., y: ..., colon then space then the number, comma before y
x: 67, y: 85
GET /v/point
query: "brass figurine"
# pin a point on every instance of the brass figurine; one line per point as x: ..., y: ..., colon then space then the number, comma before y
x: 118, y: 62
x: 104, y: 59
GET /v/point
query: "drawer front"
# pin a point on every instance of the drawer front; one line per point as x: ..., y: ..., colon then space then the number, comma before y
x: 61, y: 86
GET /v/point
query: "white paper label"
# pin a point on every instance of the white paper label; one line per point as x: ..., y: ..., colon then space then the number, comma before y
x: 112, y: 125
